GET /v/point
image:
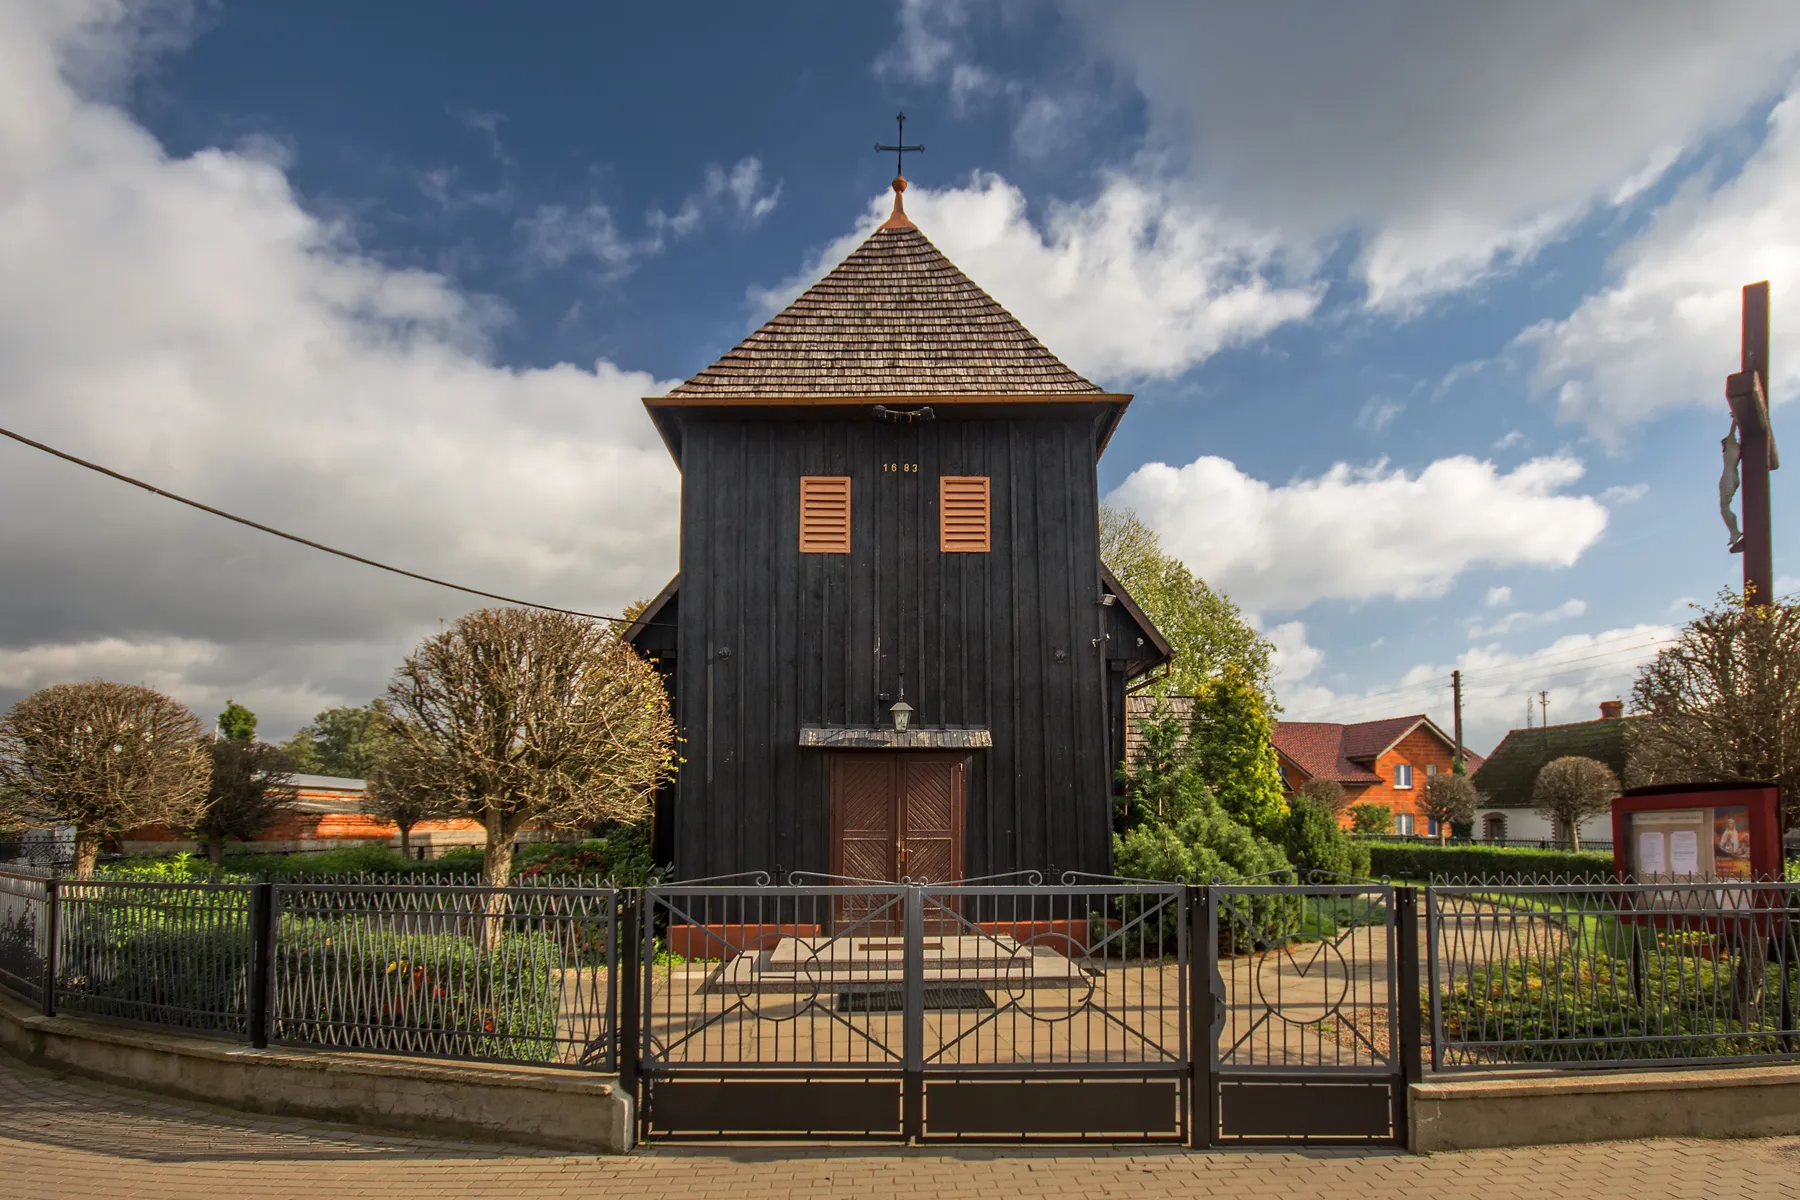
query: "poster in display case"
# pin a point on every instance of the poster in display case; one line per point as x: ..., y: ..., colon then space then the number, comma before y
x: 1724, y: 833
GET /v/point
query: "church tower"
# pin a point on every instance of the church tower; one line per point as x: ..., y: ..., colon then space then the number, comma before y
x: 892, y: 647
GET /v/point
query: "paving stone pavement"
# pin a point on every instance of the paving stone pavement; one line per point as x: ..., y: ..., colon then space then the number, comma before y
x: 66, y: 1137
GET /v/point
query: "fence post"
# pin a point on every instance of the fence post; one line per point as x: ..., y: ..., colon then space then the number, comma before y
x: 52, y: 936
x: 262, y: 960
x: 1412, y: 1068
x: 627, y: 973
x: 1200, y: 1005
x: 912, y: 1096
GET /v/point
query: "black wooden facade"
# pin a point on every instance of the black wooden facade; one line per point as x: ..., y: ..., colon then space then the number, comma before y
x: 1021, y: 654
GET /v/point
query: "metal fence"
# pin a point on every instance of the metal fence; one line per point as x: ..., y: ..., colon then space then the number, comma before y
x: 930, y: 990
x: 170, y: 955
x: 521, y: 974
x: 979, y: 1010
x: 1610, y: 975
x: 24, y: 932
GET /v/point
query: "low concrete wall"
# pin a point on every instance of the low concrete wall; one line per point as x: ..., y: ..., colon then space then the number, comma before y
x: 1475, y: 1112
x: 534, y: 1105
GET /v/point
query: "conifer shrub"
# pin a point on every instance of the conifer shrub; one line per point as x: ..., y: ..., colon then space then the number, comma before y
x: 1317, y: 847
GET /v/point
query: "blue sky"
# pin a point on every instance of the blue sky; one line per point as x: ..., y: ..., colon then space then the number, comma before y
x: 1426, y: 312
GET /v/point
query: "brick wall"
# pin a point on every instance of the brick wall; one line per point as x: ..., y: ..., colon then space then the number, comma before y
x: 1423, y: 750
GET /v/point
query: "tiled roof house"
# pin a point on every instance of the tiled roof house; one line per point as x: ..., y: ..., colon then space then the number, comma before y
x: 1376, y: 762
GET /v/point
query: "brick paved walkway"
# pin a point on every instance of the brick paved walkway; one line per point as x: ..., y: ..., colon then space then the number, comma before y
x: 62, y: 1137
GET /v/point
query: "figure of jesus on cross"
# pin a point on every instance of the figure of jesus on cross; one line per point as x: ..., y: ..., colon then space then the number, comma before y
x: 1750, y: 450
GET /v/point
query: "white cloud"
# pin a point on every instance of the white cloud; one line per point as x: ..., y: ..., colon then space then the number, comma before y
x: 1447, y: 142
x: 1666, y: 333
x: 1565, y: 611
x: 1361, y: 532
x: 158, y: 663
x: 1625, y: 493
x: 1498, y: 597
x: 1377, y: 413
x: 930, y: 47
x: 1295, y: 658
x: 1577, y: 671
x: 1133, y: 283
x: 554, y: 235
x: 1509, y: 440
x: 185, y: 319
x: 740, y: 191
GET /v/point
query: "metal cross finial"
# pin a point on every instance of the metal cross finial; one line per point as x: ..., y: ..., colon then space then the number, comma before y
x: 900, y: 148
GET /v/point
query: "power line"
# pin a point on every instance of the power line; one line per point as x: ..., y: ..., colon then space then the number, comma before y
x: 1515, y: 673
x: 1511, y: 675
x: 292, y: 537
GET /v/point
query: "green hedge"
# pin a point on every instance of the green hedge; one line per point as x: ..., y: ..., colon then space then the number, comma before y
x: 1425, y: 862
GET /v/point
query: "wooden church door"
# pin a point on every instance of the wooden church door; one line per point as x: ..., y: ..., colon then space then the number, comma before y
x: 897, y: 816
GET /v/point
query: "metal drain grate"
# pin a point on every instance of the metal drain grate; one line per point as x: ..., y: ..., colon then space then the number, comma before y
x: 894, y: 999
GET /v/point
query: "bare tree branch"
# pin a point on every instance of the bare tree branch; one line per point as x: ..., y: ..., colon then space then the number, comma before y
x: 523, y: 716
x: 103, y: 757
x: 1571, y: 789
x: 1723, y: 702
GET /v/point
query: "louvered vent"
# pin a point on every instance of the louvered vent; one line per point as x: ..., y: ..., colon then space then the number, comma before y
x: 963, y: 514
x: 824, y: 514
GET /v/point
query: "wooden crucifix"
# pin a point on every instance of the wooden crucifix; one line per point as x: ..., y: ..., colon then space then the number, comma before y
x: 1752, y: 450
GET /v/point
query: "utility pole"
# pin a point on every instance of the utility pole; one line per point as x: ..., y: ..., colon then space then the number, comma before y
x: 1456, y: 707
x: 1747, y: 392
x: 1544, y: 709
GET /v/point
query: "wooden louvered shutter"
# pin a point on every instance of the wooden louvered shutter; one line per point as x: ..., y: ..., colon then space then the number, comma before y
x: 963, y: 514
x: 824, y: 514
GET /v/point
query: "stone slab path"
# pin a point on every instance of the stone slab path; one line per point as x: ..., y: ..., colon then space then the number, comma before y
x: 65, y: 1137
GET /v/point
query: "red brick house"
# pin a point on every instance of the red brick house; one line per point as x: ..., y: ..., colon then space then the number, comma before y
x: 328, y: 815
x: 1376, y: 762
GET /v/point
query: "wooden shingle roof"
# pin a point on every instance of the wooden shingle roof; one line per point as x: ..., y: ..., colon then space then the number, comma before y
x: 896, y: 318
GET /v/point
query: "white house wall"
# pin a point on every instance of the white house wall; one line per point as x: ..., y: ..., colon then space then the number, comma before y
x: 1524, y: 825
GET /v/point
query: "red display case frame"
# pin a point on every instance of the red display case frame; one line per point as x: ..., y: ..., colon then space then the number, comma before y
x: 1763, y: 802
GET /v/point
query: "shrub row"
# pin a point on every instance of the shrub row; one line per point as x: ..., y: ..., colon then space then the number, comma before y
x: 1429, y: 863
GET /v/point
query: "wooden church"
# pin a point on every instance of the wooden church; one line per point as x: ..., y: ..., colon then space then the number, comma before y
x: 892, y: 648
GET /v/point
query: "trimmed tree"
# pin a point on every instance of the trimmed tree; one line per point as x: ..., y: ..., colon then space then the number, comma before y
x: 1723, y: 702
x: 526, y: 716
x: 1448, y: 798
x: 1572, y: 788
x: 251, y: 788
x: 1371, y: 819
x: 1230, y: 737
x: 103, y: 757
x: 404, y: 789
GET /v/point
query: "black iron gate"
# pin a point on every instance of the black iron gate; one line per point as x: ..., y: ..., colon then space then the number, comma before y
x: 914, y: 1012
x: 1314, y: 1020
x: 1107, y: 1011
